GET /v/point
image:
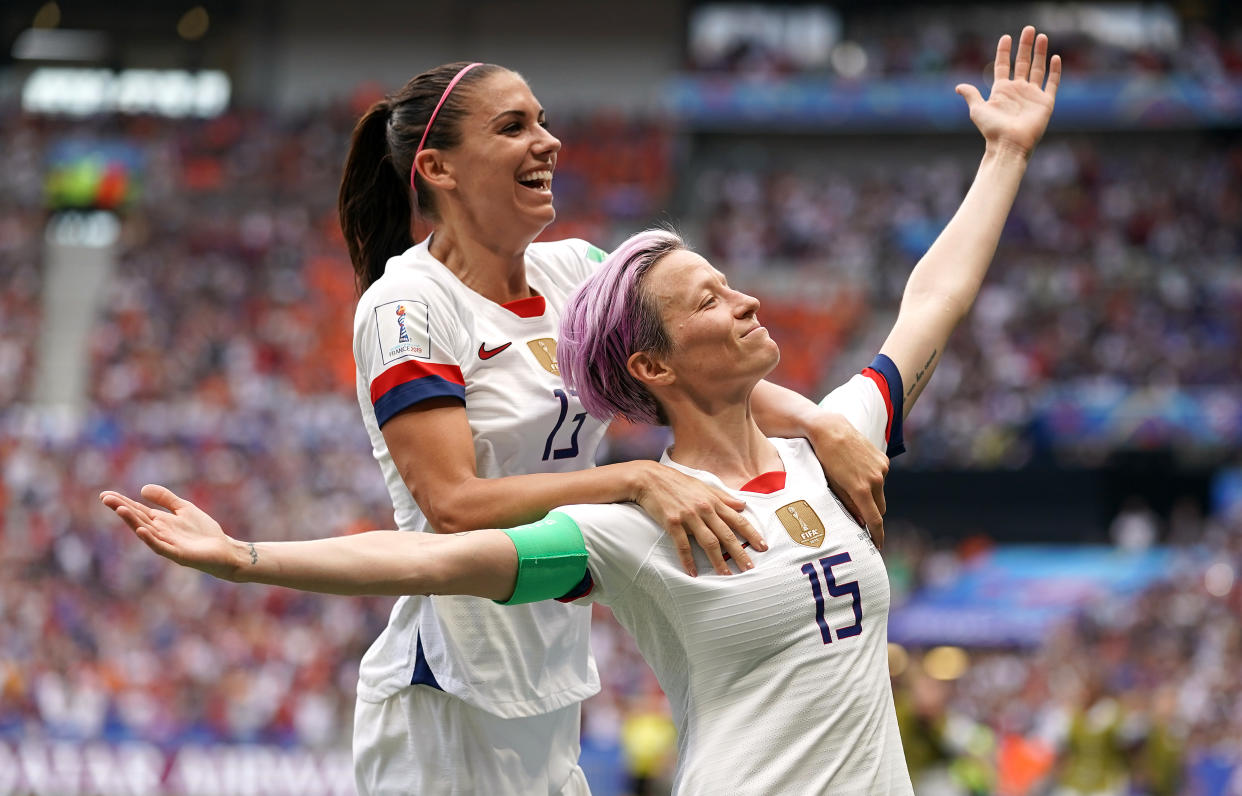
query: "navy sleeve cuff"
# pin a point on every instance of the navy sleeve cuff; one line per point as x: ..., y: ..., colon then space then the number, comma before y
x: 888, y: 369
x: 403, y: 396
x: 584, y: 587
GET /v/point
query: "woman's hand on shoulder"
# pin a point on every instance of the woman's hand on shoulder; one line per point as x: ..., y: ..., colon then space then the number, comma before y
x: 689, y: 508
x: 855, y: 469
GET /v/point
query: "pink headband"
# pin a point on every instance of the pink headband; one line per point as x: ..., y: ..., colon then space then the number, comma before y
x: 452, y: 84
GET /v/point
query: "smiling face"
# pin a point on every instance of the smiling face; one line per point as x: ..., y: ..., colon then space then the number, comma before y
x: 718, y: 344
x: 500, y: 174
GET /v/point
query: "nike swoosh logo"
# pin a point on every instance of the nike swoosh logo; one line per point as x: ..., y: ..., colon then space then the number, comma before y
x: 486, y: 353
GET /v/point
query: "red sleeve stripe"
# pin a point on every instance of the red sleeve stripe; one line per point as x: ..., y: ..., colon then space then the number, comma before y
x: 409, y: 371
x: 584, y: 587
x: 882, y: 383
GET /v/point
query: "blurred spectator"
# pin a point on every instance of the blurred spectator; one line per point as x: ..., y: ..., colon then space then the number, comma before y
x: 649, y: 744
x: 1134, y: 529
x: 1093, y: 40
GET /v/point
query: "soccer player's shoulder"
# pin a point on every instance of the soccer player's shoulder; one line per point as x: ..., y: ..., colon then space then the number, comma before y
x: 409, y: 280
x: 572, y: 258
x: 610, y: 519
x: 413, y: 269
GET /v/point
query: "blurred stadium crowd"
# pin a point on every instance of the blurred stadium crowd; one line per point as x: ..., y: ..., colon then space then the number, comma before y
x: 222, y: 367
x: 1136, y: 695
x: 1111, y: 318
x: 873, y: 47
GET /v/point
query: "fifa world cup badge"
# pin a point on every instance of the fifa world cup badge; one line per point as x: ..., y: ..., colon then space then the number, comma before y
x: 802, y: 523
x: 404, y: 329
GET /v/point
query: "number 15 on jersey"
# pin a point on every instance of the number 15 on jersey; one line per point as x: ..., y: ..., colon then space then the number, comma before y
x: 835, y: 590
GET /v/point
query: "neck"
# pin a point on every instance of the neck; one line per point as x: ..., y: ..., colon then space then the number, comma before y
x: 723, y: 440
x: 494, y: 270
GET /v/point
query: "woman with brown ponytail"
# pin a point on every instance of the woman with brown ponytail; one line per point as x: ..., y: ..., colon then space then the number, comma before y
x: 455, y: 345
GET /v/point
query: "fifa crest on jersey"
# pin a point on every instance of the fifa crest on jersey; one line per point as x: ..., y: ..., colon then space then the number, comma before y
x: 802, y: 523
x: 404, y: 330
x: 544, y: 350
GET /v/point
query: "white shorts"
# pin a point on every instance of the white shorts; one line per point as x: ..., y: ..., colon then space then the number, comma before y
x: 423, y: 742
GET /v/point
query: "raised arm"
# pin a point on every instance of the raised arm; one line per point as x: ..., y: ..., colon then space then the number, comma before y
x: 946, y: 280
x: 481, y: 563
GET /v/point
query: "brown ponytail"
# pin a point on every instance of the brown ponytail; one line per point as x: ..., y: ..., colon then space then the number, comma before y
x: 374, y: 202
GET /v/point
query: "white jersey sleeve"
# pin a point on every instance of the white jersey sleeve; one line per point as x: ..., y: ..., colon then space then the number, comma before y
x: 872, y: 403
x: 619, y: 537
x: 408, y: 344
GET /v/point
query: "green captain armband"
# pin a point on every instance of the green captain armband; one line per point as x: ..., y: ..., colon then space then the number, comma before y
x: 552, y: 558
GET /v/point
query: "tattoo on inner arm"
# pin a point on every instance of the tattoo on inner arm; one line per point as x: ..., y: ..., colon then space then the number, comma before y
x: 254, y: 555
x: 918, y: 377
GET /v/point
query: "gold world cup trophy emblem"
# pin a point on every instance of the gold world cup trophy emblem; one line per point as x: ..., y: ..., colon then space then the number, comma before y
x: 802, y: 523
x: 544, y: 350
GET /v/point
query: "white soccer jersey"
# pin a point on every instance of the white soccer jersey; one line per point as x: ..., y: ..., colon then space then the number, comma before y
x: 420, y: 333
x: 778, y: 676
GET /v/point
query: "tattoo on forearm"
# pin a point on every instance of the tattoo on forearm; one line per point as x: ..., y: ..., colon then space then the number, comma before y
x: 918, y: 377
x: 254, y: 555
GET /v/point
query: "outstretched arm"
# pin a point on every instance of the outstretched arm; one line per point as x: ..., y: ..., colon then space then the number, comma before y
x: 481, y: 563
x: 946, y: 280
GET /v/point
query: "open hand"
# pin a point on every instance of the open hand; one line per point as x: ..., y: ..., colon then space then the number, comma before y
x: 690, y: 509
x: 1017, y: 109
x: 183, y: 533
x: 855, y: 470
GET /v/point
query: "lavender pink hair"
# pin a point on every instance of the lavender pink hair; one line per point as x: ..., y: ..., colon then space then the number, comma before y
x: 609, y: 318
